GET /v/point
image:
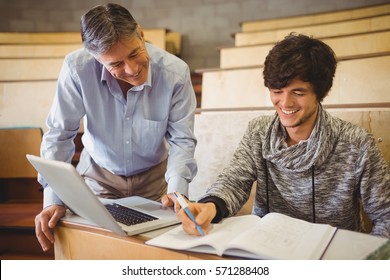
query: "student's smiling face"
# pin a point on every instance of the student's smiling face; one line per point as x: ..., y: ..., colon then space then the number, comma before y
x: 296, y: 105
x: 127, y: 60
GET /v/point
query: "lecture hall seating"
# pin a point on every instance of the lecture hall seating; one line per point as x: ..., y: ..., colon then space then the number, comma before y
x: 358, y: 95
x: 346, y: 47
x: 316, y: 18
x: 363, y: 58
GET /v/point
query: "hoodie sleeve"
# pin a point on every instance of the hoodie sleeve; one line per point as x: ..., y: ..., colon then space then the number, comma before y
x: 375, y: 188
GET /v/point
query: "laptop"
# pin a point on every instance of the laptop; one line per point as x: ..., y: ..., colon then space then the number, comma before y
x: 71, y: 188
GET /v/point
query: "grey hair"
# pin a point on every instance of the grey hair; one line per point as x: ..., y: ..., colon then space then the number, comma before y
x: 105, y: 25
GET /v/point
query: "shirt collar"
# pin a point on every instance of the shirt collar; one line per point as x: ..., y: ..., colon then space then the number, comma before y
x: 106, y: 76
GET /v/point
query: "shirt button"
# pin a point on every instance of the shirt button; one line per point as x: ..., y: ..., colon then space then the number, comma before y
x: 127, y: 142
x: 127, y: 119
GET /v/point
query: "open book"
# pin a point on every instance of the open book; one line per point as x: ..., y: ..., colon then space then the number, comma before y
x: 275, y: 236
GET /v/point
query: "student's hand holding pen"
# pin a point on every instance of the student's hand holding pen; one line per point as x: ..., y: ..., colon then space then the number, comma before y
x: 203, y: 214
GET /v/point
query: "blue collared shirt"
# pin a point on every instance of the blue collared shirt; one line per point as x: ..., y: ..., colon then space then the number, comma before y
x: 123, y: 136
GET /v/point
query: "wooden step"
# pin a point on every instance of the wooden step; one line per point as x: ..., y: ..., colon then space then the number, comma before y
x: 358, y: 26
x: 345, y: 47
x: 19, y: 215
x: 30, y: 69
x: 40, y: 37
x: 17, y: 231
x: 317, y: 18
x: 20, y: 190
x: 160, y: 37
x: 18, y: 244
x: 37, y: 51
x: 364, y: 80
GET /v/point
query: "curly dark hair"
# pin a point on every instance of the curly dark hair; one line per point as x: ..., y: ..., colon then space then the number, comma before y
x: 302, y: 57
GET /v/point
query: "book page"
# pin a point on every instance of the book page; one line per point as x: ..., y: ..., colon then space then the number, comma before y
x: 214, y: 242
x: 277, y: 236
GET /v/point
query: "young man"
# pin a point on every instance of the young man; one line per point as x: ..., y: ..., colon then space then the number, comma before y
x: 137, y: 103
x: 307, y: 164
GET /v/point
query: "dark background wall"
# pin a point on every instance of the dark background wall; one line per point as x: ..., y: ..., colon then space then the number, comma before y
x: 205, y: 25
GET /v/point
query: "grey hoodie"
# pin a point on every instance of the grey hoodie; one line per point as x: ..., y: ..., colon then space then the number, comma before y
x: 322, y: 179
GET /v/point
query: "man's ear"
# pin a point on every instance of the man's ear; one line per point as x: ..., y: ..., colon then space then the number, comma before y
x: 141, y: 31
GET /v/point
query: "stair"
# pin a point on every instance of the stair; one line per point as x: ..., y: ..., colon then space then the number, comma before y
x: 17, y: 232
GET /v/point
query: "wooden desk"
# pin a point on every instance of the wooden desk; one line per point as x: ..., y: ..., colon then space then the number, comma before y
x: 86, y: 242
x: 74, y: 240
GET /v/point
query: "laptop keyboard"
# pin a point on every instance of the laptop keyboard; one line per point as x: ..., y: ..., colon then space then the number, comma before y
x: 128, y: 216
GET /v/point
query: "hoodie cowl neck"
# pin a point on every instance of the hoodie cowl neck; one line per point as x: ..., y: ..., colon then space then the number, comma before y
x: 307, y: 153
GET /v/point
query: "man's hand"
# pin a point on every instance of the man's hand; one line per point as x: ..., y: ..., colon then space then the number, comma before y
x: 45, y: 223
x: 169, y: 200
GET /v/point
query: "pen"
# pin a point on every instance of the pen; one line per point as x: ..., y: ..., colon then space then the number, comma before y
x: 184, y: 205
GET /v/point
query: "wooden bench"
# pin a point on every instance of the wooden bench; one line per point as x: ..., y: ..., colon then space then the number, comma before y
x: 326, y: 30
x: 30, y: 69
x: 161, y: 37
x: 40, y: 37
x: 357, y: 81
x: 23, y: 51
x: 318, y: 18
x: 345, y: 47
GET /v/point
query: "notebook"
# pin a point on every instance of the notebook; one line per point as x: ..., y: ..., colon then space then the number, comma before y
x: 71, y: 188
